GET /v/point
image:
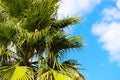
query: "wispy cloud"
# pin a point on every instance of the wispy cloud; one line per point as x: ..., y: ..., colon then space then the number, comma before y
x: 108, y: 30
x: 76, y: 7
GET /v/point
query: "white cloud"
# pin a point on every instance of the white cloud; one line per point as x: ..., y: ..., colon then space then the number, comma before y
x: 108, y: 30
x: 73, y: 7
x: 109, y: 35
x: 118, y: 3
x: 111, y: 14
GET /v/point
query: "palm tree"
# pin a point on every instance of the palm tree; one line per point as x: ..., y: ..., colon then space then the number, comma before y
x: 32, y: 40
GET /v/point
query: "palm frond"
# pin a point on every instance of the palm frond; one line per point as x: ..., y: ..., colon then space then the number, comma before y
x: 46, y: 73
x: 40, y: 13
x: 5, y: 56
x: 2, y: 16
x: 60, y: 24
x: 7, y: 33
x: 74, y: 74
x: 76, y: 42
x: 71, y: 64
x: 71, y: 67
x: 30, y: 38
x: 16, y: 7
x: 61, y: 43
x: 16, y: 73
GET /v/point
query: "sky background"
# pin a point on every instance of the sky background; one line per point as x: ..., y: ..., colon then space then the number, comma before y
x: 100, y: 29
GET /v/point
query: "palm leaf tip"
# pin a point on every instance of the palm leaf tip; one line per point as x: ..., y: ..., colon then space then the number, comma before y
x: 60, y: 24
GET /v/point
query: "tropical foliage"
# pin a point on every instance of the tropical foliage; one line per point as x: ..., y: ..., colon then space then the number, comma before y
x: 33, y: 41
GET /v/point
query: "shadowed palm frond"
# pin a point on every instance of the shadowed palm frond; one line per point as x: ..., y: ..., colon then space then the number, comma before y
x: 2, y: 16
x: 7, y: 33
x: 6, y: 56
x: 40, y: 14
x: 61, y: 44
x: 16, y: 8
x: 71, y: 64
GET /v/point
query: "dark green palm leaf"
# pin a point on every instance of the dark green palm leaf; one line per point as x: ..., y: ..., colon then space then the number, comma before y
x: 40, y: 13
x: 16, y: 8
x: 61, y: 43
x: 59, y: 24
x: 7, y: 33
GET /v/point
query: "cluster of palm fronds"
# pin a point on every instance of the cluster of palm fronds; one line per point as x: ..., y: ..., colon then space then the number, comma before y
x: 32, y: 40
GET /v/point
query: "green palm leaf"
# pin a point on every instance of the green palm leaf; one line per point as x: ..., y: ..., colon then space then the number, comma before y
x: 16, y: 8
x: 16, y: 73
x: 46, y: 73
x: 58, y: 24
x: 60, y: 44
x: 74, y: 74
x: 71, y: 66
x: 7, y: 33
x: 39, y: 15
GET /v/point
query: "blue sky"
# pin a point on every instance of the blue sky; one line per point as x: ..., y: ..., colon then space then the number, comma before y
x: 100, y: 29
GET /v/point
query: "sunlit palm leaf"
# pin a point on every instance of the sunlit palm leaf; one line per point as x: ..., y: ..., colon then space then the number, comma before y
x: 74, y: 74
x: 46, y: 73
x: 16, y: 73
